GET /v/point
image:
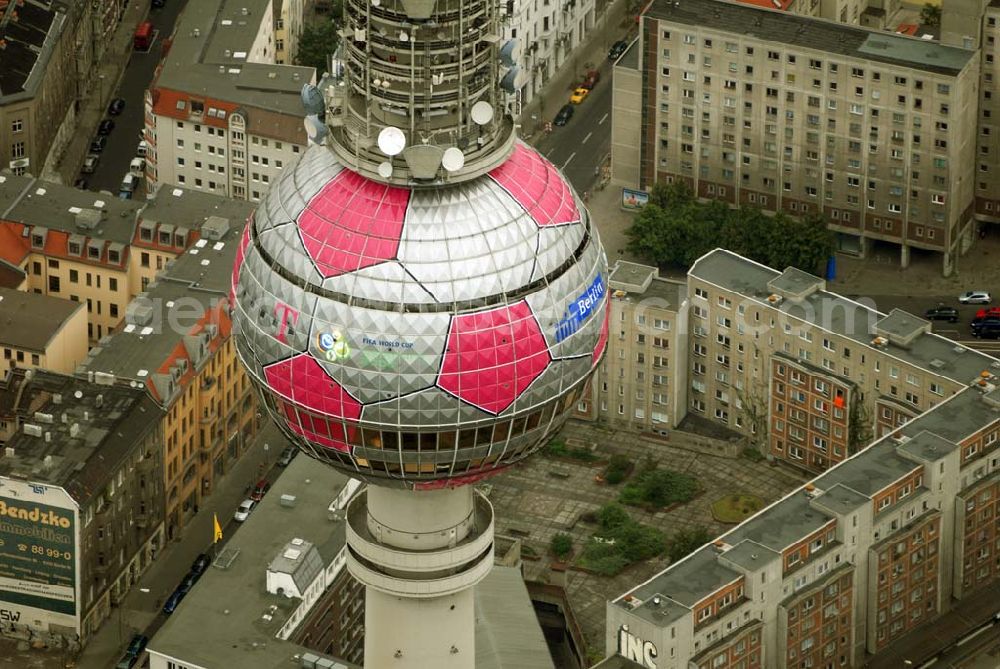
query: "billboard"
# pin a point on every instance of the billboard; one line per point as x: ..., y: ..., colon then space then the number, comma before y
x: 38, y: 553
x: 633, y: 200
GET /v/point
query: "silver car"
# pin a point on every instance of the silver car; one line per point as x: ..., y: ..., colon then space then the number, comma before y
x: 975, y: 297
x: 242, y: 513
x: 90, y: 163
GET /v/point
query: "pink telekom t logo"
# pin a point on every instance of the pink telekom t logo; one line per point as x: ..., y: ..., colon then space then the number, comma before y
x: 286, y: 311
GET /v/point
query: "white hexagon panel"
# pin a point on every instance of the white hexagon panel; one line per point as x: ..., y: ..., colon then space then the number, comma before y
x: 424, y: 336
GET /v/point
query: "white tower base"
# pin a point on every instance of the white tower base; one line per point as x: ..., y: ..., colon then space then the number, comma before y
x: 419, y: 554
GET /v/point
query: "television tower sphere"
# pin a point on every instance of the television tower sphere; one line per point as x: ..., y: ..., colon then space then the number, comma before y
x: 414, y: 336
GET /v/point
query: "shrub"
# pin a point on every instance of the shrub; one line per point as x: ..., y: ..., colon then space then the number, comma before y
x: 659, y: 488
x: 617, y: 470
x: 612, y: 516
x: 686, y: 542
x: 562, y: 545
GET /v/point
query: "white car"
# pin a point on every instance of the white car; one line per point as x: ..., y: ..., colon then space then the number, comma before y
x: 242, y: 513
x: 975, y: 297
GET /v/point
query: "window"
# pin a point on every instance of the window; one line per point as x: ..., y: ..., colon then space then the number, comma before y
x: 17, y: 125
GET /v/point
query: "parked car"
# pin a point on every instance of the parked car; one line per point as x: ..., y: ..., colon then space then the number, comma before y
x: 137, y: 645
x: 949, y: 314
x: 287, y: 456
x: 975, y: 297
x: 106, y: 126
x: 124, y: 195
x: 97, y: 146
x: 173, y: 600
x: 116, y: 107
x: 984, y: 313
x: 200, y: 564
x: 127, y: 661
x: 243, y: 512
x: 564, y: 115
x: 188, y: 582
x: 260, y: 490
x: 579, y: 95
x: 137, y: 168
x: 617, y: 49
x: 90, y: 163
x: 141, y: 149
x: 987, y: 329
x: 591, y: 80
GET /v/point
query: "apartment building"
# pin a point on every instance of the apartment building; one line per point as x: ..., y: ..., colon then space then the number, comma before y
x: 288, y: 27
x: 41, y: 332
x: 81, y: 480
x: 641, y: 383
x: 221, y: 116
x: 176, y: 344
x: 841, y: 568
x: 548, y: 32
x: 987, y: 159
x: 873, y: 131
x: 808, y: 375
x: 98, y: 250
x: 38, y: 79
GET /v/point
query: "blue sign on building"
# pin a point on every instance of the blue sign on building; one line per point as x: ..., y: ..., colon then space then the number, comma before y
x: 580, y: 309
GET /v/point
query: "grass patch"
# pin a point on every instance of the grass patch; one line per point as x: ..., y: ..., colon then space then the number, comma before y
x: 736, y: 508
x: 656, y: 488
x: 557, y: 448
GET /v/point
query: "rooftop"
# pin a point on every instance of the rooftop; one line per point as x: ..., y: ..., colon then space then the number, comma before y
x: 30, y: 320
x: 630, y: 58
x: 840, y: 315
x: 814, y: 35
x: 220, y: 622
x: 957, y: 418
x: 93, y: 428
x: 209, y: 57
x: 28, y: 31
x: 34, y: 202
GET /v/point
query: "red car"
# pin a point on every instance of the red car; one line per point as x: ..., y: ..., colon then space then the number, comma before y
x: 593, y: 76
x: 992, y: 311
x: 260, y: 490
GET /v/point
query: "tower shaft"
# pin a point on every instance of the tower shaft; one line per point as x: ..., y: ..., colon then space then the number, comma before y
x: 419, y: 554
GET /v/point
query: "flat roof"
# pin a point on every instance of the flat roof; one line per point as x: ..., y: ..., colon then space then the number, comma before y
x: 508, y: 635
x: 958, y: 417
x: 35, y: 202
x: 812, y: 34
x: 630, y: 58
x: 103, y: 424
x: 214, y: 34
x: 30, y: 320
x: 190, y: 208
x: 840, y: 315
x: 29, y: 31
x: 220, y: 622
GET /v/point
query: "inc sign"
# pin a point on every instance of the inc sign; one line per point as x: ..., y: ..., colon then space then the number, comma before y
x: 633, y: 648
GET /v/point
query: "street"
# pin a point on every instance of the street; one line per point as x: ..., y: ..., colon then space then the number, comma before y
x: 142, y: 608
x: 138, y: 74
x: 577, y: 147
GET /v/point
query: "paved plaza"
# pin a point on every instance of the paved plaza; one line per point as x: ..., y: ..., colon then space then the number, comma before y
x: 545, y: 496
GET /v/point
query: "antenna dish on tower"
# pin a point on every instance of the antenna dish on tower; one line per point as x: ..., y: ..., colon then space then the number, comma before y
x: 391, y: 141
x: 481, y: 112
x: 453, y: 159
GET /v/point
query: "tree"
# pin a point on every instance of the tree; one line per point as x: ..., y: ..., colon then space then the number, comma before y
x: 659, y: 488
x: 562, y: 545
x: 686, y: 542
x: 930, y: 15
x: 317, y: 42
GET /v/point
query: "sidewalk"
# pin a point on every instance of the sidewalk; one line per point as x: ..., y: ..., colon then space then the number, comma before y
x: 102, y: 87
x: 139, y: 609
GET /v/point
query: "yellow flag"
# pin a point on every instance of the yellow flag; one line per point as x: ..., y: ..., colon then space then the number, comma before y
x: 218, y: 529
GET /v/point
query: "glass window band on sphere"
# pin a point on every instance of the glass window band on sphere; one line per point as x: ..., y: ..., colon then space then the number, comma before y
x: 453, y: 349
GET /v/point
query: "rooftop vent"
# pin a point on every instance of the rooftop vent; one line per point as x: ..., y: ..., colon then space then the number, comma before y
x: 46, y: 418
x: 774, y: 299
x: 880, y: 342
x: 33, y: 430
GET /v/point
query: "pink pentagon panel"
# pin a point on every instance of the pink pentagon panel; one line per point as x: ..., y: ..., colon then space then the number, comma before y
x: 241, y: 251
x: 353, y: 223
x: 537, y: 186
x: 602, y: 340
x: 317, y: 402
x: 492, y: 356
